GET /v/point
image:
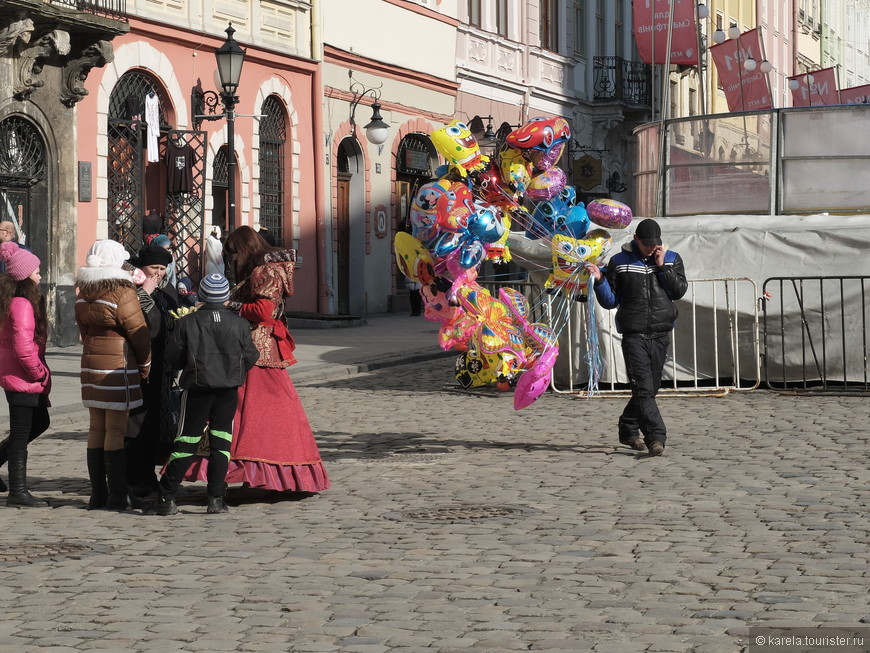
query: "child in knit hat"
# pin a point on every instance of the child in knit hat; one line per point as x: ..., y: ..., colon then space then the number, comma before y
x: 24, y: 374
x: 214, y: 351
x: 116, y: 353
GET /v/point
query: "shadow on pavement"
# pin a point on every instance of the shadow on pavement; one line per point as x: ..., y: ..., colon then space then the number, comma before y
x: 335, y: 446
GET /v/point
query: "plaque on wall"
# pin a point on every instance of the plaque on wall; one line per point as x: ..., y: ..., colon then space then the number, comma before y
x: 85, y: 182
x: 380, y: 221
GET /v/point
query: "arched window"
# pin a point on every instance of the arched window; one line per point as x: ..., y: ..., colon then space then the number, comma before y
x: 22, y: 159
x: 273, y: 135
x: 126, y: 155
x: 22, y: 167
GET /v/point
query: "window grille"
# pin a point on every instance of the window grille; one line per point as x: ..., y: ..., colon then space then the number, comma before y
x: 273, y: 135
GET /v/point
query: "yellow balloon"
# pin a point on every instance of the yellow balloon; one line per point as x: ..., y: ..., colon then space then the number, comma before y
x: 413, y: 259
x: 456, y: 143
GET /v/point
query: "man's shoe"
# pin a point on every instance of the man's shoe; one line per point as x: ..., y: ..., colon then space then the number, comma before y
x: 165, y: 507
x: 216, y: 506
x: 656, y: 448
x: 633, y: 443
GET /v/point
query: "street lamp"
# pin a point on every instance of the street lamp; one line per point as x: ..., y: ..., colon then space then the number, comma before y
x: 377, y: 130
x: 230, y: 57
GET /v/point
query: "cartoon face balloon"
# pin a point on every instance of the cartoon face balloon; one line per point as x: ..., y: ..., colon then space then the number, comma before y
x: 570, y: 256
x: 423, y: 214
x: 474, y: 369
x: 413, y: 259
x: 454, y: 208
x: 559, y: 215
x: 540, y: 134
x: 456, y: 144
x: 485, y: 224
x: 515, y: 170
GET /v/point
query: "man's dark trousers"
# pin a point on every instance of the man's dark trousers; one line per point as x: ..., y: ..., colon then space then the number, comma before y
x: 644, y: 362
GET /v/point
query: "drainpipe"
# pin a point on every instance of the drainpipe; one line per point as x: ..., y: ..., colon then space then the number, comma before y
x: 319, y: 158
x: 794, y: 37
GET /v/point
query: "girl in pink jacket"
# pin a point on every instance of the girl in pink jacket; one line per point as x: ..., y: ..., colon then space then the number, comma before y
x: 23, y: 373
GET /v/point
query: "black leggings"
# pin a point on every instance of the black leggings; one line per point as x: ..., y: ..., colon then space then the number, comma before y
x: 26, y: 423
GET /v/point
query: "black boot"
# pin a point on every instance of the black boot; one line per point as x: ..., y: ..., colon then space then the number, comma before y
x: 4, y: 456
x: 216, y: 506
x: 116, y: 479
x: 97, y: 474
x: 19, y: 495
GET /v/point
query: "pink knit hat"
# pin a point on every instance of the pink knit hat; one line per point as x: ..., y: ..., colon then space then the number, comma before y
x: 20, y: 263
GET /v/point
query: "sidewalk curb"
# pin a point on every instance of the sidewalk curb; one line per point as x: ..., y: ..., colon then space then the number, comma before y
x: 323, y: 374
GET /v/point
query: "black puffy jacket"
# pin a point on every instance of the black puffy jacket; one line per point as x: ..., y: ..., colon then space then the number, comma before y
x: 642, y: 293
x: 212, y: 347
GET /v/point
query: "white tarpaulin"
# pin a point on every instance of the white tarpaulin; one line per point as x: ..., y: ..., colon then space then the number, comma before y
x: 832, y: 341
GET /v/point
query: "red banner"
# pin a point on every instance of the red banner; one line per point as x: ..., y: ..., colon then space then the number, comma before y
x: 821, y: 91
x: 855, y: 95
x: 651, y: 19
x: 745, y: 90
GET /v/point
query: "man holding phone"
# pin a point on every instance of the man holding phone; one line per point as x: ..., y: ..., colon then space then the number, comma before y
x: 642, y: 282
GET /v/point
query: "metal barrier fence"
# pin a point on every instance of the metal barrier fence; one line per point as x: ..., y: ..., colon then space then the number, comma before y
x: 816, y: 332
x: 714, y: 346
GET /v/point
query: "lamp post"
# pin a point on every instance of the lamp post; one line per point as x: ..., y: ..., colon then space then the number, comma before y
x: 230, y: 57
x: 376, y: 130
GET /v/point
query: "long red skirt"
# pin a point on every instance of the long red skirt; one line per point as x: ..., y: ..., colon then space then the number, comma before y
x: 273, y: 446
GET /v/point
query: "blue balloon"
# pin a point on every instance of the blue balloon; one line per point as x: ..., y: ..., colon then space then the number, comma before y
x: 446, y: 243
x: 485, y: 223
x: 576, y: 223
x: 471, y: 254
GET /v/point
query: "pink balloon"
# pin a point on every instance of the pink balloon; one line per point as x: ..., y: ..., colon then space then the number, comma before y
x: 546, y: 185
x: 609, y: 213
x: 547, y: 159
x: 533, y: 383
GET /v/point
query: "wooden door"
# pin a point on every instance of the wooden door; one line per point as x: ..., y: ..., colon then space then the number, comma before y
x: 342, y: 245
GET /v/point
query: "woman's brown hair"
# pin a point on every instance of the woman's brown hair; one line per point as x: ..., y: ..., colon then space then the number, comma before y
x: 27, y: 289
x: 248, y: 249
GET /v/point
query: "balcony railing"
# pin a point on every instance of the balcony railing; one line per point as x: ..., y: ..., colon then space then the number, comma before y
x: 619, y: 80
x: 108, y: 8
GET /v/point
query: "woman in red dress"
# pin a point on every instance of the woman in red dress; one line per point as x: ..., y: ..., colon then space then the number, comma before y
x: 273, y: 446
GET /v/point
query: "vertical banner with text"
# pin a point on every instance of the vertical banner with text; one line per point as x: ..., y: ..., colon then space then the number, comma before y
x: 745, y: 90
x: 821, y: 91
x: 652, y: 17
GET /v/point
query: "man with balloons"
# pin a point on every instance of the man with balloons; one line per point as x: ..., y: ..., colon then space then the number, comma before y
x: 463, y: 218
x: 642, y: 282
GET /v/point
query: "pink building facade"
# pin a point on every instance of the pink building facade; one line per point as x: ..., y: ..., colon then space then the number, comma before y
x: 177, y: 174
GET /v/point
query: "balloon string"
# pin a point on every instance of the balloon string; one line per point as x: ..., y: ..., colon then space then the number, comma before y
x: 593, y: 352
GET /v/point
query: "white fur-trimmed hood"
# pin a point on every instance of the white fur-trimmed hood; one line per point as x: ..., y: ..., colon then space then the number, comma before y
x: 89, y: 275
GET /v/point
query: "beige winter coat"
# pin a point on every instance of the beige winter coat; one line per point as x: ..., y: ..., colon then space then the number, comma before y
x: 115, y: 337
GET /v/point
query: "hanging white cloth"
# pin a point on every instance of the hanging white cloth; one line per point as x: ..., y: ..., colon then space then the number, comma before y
x: 214, y: 249
x: 152, y: 118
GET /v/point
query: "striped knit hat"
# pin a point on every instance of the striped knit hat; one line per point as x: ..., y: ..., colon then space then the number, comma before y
x: 214, y: 289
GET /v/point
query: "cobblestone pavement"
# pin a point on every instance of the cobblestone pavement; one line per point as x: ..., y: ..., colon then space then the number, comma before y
x: 455, y: 524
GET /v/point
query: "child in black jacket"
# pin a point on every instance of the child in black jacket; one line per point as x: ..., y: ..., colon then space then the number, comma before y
x: 213, y: 348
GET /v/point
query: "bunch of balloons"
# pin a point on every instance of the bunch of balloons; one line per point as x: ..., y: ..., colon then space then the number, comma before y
x: 464, y: 217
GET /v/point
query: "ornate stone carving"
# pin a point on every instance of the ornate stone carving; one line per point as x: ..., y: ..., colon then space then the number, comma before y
x: 16, y: 34
x: 76, y: 71
x: 29, y: 67
x: 506, y: 60
x: 477, y: 50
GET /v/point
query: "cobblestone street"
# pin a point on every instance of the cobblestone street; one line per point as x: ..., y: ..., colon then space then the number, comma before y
x: 456, y: 524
